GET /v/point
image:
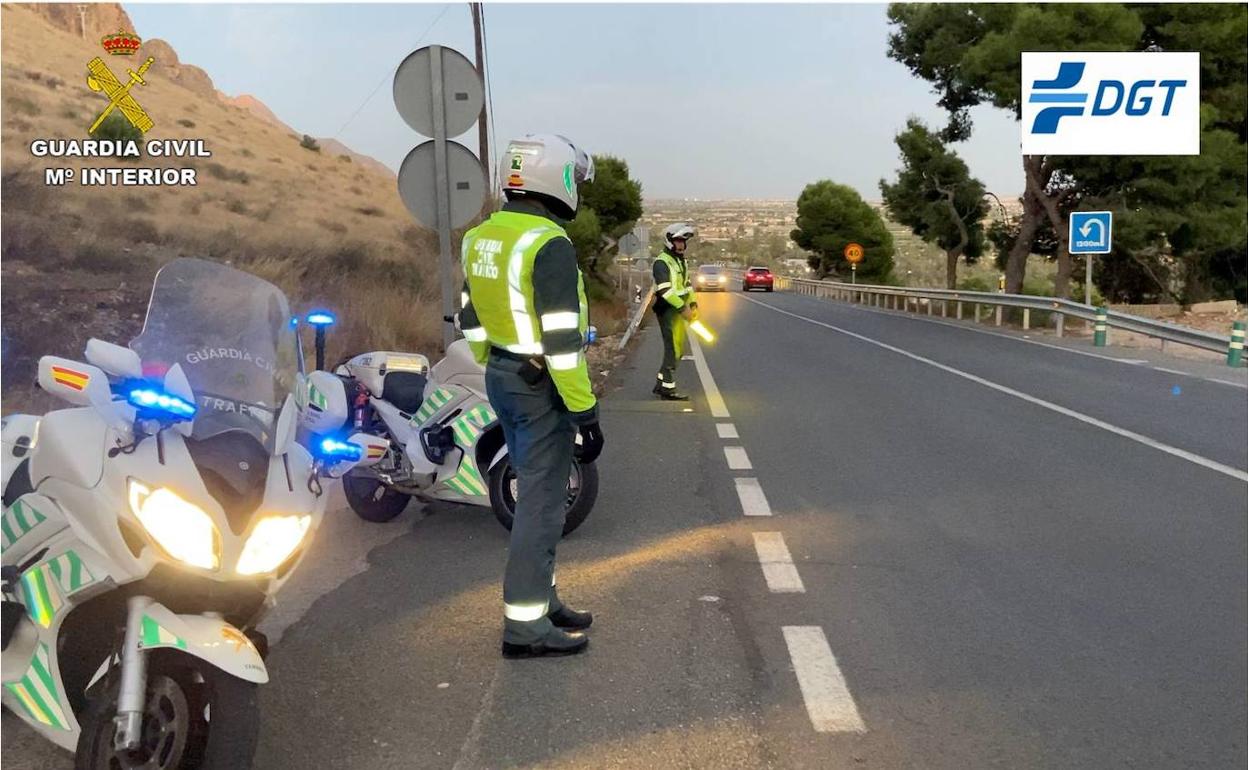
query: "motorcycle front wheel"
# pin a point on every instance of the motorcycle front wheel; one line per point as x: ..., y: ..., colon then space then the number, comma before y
x: 372, y: 500
x: 196, y: 716
x: 582, y: 493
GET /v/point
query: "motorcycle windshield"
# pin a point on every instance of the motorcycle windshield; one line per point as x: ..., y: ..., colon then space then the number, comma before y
x: 234, y: 336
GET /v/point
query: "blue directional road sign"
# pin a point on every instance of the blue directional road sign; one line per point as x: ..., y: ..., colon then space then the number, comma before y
x: 1091, y: 232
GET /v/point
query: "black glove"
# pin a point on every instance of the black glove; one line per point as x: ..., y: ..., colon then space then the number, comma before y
x: 591, y: 443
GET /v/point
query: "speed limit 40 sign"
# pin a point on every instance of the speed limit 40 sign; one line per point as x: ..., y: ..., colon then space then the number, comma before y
x: 853, y: 253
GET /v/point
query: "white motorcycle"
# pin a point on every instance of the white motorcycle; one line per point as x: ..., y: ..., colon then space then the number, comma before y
x: 147, y: 530
x: 445, y: 441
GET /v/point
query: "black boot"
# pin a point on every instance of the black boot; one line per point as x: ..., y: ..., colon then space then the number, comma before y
x: 570, y: 620
x: 557, y: 642
x: 671, y: 394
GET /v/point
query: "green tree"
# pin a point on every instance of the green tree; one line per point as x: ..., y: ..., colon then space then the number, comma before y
x: 937, y: 198
x: 614, y: 199
x: 972, y: 54
x: 585, y: 233
x: 830, y: 216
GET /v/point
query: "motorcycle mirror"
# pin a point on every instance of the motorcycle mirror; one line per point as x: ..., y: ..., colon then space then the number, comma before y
x: 114, y: 359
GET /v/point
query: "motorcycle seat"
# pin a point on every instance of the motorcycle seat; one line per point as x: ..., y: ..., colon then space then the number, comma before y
x: 405, y: 390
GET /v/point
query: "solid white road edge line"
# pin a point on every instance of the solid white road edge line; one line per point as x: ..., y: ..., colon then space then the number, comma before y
x: 713, y: 399
x: 1205, y: 462
x: 965, y: 326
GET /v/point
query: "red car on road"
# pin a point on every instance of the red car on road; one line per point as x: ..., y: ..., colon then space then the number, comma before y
x: 758, y: 278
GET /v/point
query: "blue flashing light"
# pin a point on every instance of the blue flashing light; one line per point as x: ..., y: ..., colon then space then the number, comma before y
x: 321, y: 318
x: 333, y: 449
x: 154, y: 400
x: 294, y: 322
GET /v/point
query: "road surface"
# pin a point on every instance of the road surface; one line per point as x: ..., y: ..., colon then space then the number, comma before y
x: 870, y: 540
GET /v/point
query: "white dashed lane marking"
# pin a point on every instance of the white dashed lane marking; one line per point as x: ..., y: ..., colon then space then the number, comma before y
x: 753, y: 501
x: 737, y: 459
x: 777, y: 564
x: 726, y: 430
x: 828, y: 701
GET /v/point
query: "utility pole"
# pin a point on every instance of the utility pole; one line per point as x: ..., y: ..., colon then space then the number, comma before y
x: 82, y: 18
x: 483, y: 127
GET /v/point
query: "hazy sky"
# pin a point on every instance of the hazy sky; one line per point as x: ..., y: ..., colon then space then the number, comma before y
x: 705, y: 101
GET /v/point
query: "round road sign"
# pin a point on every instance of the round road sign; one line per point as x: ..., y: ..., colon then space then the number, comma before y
x: 853, y: 253
x: 417, y: 184
x: 461, y: 91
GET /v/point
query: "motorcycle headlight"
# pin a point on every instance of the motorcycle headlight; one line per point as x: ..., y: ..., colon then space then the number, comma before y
x: 273, y: 540
x: 183, y: 529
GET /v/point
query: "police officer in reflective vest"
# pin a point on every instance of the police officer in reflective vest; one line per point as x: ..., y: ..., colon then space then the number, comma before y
x: 674, y: 305
x: 525, y: 316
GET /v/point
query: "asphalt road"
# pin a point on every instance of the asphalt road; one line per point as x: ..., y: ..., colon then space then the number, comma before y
x: 980, y: 552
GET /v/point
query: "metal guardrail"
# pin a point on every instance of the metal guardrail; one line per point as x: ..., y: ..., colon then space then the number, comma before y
x: 903, y: 298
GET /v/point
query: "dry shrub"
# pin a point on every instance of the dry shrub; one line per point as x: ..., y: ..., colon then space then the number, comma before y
x: 186, y: 123
x: 31, y: 239
x: 371, y: 211
x: 330, y: 225
x: 97, y: 256
x: 138, y: 203
x: 22, y: 105
x: 219, y: 171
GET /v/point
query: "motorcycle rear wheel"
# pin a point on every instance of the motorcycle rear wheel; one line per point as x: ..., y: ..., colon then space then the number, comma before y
x: 197, y: 717
x: 582, y: 493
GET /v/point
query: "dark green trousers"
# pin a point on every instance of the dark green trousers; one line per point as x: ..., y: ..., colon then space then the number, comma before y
x: 672, y: 329
x: 540, y: 441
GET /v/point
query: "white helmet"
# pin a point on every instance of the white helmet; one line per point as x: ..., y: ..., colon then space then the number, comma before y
x: 546, y: 165
x: 681, y: 231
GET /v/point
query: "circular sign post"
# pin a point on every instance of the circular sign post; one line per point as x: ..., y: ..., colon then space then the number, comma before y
x: 853, y: 255
x: 439, y: 93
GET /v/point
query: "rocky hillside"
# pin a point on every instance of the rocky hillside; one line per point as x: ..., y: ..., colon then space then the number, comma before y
x: 325, y: 224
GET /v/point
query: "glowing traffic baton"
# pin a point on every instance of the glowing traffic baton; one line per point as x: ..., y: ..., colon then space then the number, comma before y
x: 703, y: 331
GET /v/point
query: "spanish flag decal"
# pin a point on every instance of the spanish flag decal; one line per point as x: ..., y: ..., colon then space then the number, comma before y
x: 74, y: 380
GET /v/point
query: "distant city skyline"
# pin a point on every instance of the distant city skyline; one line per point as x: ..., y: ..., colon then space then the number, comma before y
x: 713, y: 102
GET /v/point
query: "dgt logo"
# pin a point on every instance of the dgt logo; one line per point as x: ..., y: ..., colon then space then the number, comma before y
x: 1111, y: 104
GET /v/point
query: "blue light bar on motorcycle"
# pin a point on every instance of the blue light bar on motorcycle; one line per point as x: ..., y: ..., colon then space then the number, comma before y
x: 333, y: 449
x: 152, y: 400
x: 321, y: 318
